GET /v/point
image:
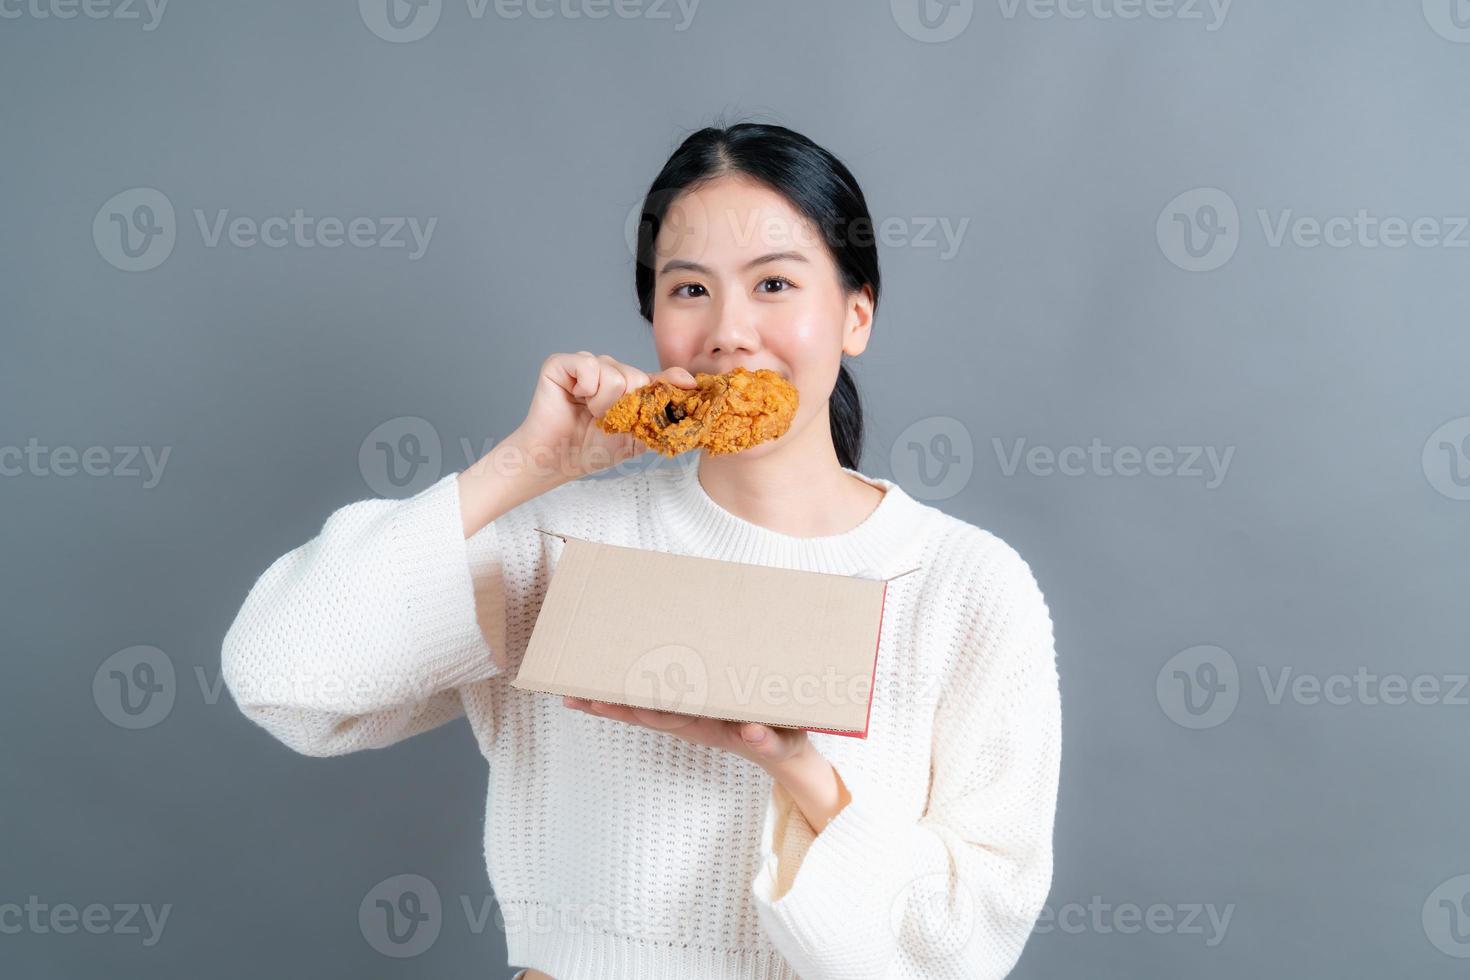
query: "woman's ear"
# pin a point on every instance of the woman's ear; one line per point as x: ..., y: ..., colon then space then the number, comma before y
x: 859, y: 324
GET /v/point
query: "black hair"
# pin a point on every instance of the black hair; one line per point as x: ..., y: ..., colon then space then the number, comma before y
x: 816, y: 184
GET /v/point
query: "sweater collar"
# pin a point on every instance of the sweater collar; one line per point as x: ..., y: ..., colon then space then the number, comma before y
x: 874, y: 548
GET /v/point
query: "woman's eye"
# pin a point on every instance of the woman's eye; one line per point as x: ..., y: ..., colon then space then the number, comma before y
x: 781, y: 281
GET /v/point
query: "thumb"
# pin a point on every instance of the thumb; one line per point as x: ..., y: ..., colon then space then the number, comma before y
x: 679, y: 376
x: 755, y: 734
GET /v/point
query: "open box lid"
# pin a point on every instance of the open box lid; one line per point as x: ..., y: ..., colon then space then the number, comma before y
x: 708, y: 637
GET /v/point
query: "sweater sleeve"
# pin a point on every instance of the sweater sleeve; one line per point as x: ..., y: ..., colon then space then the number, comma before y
x: 361, y: 637
x: 956, y: 893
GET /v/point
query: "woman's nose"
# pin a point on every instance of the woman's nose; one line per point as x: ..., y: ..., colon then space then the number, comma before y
x: 734, y: 332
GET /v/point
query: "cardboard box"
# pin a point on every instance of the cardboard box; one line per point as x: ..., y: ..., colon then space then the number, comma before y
x: 706, y: 637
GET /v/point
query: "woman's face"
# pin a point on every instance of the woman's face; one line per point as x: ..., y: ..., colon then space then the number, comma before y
x: 744, y: 280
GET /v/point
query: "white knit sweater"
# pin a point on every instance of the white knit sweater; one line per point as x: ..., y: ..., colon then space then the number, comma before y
x: 620, y: 853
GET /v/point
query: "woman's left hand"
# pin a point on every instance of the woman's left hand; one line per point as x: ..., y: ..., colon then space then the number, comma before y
x: 786, y: 753
x: 767, y: 746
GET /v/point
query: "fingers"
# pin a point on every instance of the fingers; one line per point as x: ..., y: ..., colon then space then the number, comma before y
x: 595, y: 381
x: 663, y: 721
x: 588, y: 372
x: 678, y: 376
x: 599, y: 380
x: 576, y: 374
x: 614, y: 379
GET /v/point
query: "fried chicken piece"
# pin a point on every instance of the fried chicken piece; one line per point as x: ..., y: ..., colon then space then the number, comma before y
x: 724, y: 414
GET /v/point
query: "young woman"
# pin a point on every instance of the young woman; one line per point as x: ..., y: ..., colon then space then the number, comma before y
x: 624, y: 843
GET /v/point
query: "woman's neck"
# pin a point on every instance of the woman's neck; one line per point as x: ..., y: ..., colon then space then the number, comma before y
x: 799, y: 489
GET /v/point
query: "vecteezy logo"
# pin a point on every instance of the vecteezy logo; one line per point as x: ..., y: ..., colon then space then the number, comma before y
x: 401, y: 457
x: 671, y: 677
x: 400, y: 21
x: 683, y: 230
x: 1446, y: 458
x: 135, y: 230
x: 1199, y: 230
x: 135, y: 688
x: 645, y: 462
x: 1449, y: 18
x: 1199, y: 687
x: 401, y: 916
x: 932, y: 21
x: 934, y: 458
x: 1447, y: 917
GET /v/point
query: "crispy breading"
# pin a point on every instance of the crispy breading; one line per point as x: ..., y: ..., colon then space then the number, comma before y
x: 724, y: 414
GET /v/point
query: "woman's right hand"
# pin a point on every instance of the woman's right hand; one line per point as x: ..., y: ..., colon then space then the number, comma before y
x: 559, y: 441
x: 573, y: 391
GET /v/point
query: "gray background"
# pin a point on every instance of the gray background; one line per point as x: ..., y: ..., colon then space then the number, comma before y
x: 1334, y: 834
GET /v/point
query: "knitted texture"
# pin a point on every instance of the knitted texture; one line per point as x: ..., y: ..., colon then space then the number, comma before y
x: 620, y: 853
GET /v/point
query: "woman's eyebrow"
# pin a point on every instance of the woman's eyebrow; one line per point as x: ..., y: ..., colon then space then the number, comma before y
x: 674, y: 265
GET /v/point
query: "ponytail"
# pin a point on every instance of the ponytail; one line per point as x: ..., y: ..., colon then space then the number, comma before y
x: 846, y: 410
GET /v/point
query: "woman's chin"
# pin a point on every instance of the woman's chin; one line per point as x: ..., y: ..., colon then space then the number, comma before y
x: 758, y: 451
